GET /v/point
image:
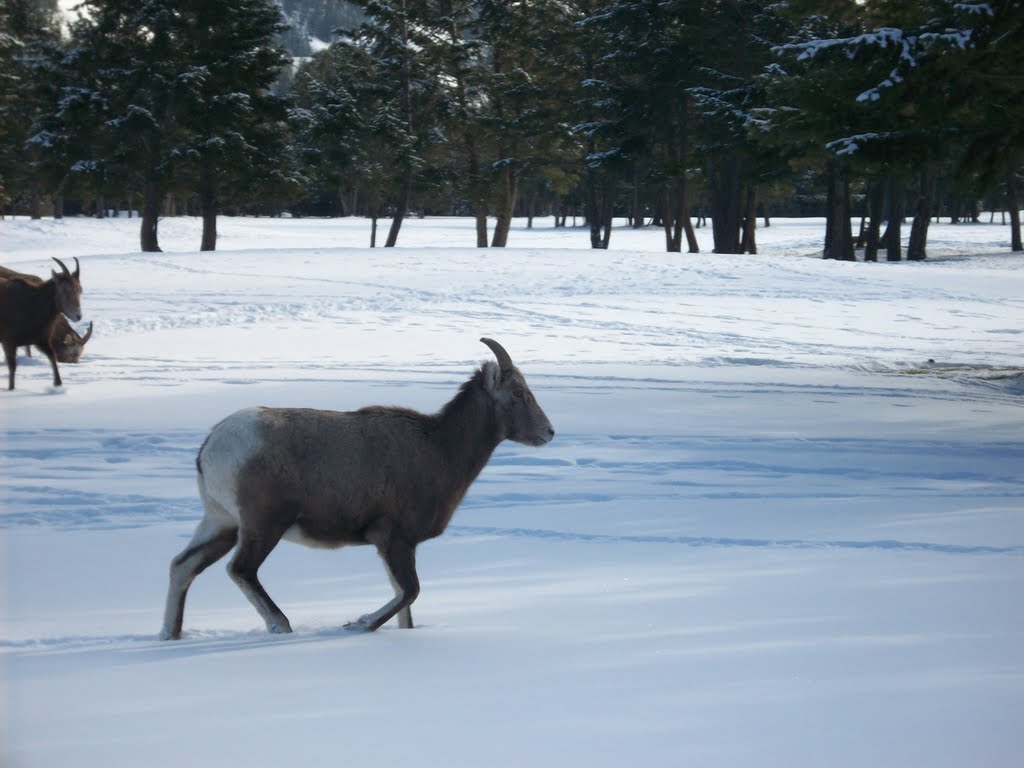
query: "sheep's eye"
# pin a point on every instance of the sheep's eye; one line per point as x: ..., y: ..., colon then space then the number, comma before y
x: 518, y: 392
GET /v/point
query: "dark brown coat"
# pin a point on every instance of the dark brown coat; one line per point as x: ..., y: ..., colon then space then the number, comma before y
x: 29, y: 308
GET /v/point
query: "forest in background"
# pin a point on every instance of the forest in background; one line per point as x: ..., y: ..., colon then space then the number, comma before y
x: 669, y: 113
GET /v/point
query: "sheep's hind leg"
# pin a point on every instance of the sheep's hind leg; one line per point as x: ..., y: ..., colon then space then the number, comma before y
x: 400, y: 561
x: 252, y: 551
x: 209, y: 544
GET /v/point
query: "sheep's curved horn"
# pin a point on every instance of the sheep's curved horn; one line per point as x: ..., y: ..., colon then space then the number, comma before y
x: 78, y: 269
x: 63, y: 267
x: 87, y: 334
x: 504, y: 361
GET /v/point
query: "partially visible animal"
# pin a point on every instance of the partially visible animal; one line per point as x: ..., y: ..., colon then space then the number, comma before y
x: 66, y: 342
x: 29, y: 308
x: 390, y: 477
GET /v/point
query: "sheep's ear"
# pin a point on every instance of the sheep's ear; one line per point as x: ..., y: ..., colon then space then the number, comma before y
x: 492, y: 376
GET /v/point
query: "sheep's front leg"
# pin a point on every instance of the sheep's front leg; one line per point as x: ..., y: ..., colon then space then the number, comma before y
x: 52, y: 355
x: 400, y: 560
x: 10, y: 351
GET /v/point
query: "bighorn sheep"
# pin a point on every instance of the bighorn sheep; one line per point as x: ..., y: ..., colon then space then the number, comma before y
x: 66, y: 342
x: 390, y: 477
x: 28, y: 311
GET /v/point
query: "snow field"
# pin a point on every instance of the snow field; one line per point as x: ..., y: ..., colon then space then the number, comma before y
x: 768, y: 531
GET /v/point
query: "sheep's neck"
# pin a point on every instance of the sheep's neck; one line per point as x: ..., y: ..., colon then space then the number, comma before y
x: 467, y: 432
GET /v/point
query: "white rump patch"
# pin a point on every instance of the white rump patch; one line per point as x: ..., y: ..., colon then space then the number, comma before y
x: 229, y: 447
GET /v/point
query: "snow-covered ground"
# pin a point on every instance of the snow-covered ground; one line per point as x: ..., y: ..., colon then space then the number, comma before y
x: 781, y: 523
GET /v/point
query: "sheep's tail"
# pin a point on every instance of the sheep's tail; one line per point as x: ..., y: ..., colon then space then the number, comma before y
x: 199, y: 457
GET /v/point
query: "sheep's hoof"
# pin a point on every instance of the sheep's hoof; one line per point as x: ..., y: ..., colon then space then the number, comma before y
x: 362, y: 624
x: 167, y: 635
x: 279, y: 627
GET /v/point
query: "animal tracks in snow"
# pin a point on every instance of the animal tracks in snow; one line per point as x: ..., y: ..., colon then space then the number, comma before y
x: 711, y: 541
x: 694, y: 490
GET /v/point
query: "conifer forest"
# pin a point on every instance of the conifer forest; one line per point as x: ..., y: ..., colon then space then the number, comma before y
x: 875, y: 114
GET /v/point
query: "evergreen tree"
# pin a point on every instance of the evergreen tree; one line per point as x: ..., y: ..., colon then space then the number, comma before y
x: 651, y: 68
x: 733, y: 46
x: 233, y: 131
x: 176, y: 91
x: 30, y: 50
x: 813, y: 103
x: 328, y: 124
x: 128, y: 57
x: 397, y: 45
x: 463, y: 62
x: 987, y: 95
x: 857, y: 86
x: 519, y: 111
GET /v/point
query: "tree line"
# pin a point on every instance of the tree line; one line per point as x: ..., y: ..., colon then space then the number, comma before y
x: 667, y: 112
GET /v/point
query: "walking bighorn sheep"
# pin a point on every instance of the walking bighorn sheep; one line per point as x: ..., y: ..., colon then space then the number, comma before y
x: 66, y: 342
x: 28, y: 311
x: 390, y: 477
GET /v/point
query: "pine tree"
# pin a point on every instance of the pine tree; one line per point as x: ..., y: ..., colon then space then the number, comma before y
x: 643, y: 108
x: 987, y: 95
x: 397, y: 45
x: 30, y: 49
x: 128, y: 58
x: 462, y: 59
x: 519, y: 109
x: 327, y: 124
x: 175, y: 91
x: 230, y: 122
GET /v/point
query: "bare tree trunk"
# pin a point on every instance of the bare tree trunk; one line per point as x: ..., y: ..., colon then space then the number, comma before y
x: 151, y: 200
x: 1013, y: 204
x: 691, y: 236
x: 838, y: 228
x: 916, y: 248
x: 58, y: 200
x: 676, y: 218
x: 407, y: 171
x: 750, y: 221
x: 208, y: 208
x: 599, y: 205
x: 724, y: 178
x: 400, y: 209
x: 35, y: 200
x: 671, y: 222
x: 508, y: 188
x: 893, y: 244
x: 876, y: 201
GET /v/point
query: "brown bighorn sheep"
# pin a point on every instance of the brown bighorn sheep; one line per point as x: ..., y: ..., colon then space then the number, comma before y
x: 390, y: 477
x: 66, y: 342
x: 28, y: 311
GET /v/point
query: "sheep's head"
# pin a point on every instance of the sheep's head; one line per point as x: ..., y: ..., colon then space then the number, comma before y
x: 67, y: 344
x: 69, y: 288
x: 523, y: 420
